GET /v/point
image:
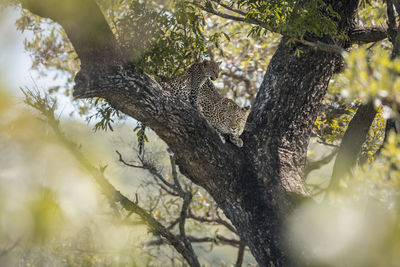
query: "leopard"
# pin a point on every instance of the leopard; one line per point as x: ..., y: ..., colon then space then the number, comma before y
x: 222, y: 113
x: 187, y: 84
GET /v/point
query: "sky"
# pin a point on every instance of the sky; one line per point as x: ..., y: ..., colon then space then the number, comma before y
x: 15, y: 62
x: 15, y: 65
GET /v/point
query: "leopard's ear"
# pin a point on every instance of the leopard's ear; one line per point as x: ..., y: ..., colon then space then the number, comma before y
x: 246, y: 108
x: 219, y: 63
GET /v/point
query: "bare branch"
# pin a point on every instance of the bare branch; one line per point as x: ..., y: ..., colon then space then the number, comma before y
x: 172, y: 225
x: 175, y: 176
x: 182, y: 220
x: 239, y: 260
x: 315, y: 165
x: 163, y: 187
x: 212, y: 220
x: 218, y: 240
x: 149, y: 167
x: 322, y: 141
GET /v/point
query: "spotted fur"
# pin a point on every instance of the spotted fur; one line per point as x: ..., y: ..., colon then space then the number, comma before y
x: 222, y: 113
x: 187, y: 84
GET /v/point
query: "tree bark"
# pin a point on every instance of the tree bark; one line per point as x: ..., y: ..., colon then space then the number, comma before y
x: 256, y: 186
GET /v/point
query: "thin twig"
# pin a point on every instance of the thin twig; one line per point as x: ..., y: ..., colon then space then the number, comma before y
x: 182, y: 219
x: 212, y: 220
x: 237, y: 11
x: 148, y: 167
x: 315, y: 165
x: 218, y: 240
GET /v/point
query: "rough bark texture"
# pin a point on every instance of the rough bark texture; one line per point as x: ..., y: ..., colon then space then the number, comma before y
x: 368, y: 34
x: 255, y: 185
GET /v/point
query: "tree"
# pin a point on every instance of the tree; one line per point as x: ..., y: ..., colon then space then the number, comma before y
x: 256, y: 186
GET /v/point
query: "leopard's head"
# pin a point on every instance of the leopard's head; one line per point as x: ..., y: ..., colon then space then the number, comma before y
x: 211, y: 69
x: 238, y: 121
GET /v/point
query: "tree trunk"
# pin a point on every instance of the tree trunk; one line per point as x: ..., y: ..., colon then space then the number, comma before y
x: 256, y: 186
x: 353, y: 139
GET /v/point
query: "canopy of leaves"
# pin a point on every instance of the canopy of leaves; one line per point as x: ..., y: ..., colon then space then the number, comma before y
x: 292, y: 18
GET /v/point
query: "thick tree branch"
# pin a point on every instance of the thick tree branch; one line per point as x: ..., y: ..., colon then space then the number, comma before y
x: 91, y: 38
x: 352, y: 142
x: 372, y: 34
x: 395, y: 32
x: 318, y: 45
x: 392, y: 25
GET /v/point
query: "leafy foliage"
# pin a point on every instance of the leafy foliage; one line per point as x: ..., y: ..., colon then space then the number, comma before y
x: 161, y: 39
x: 333, y: 119
x: 370, y: 74
x: 290, y: 18
x: 105, y: 113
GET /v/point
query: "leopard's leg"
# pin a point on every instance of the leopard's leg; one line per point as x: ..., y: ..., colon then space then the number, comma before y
x: 222, y: 137
x: 236, y: 140
x: 193, y: 99
x: 194, y: 88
